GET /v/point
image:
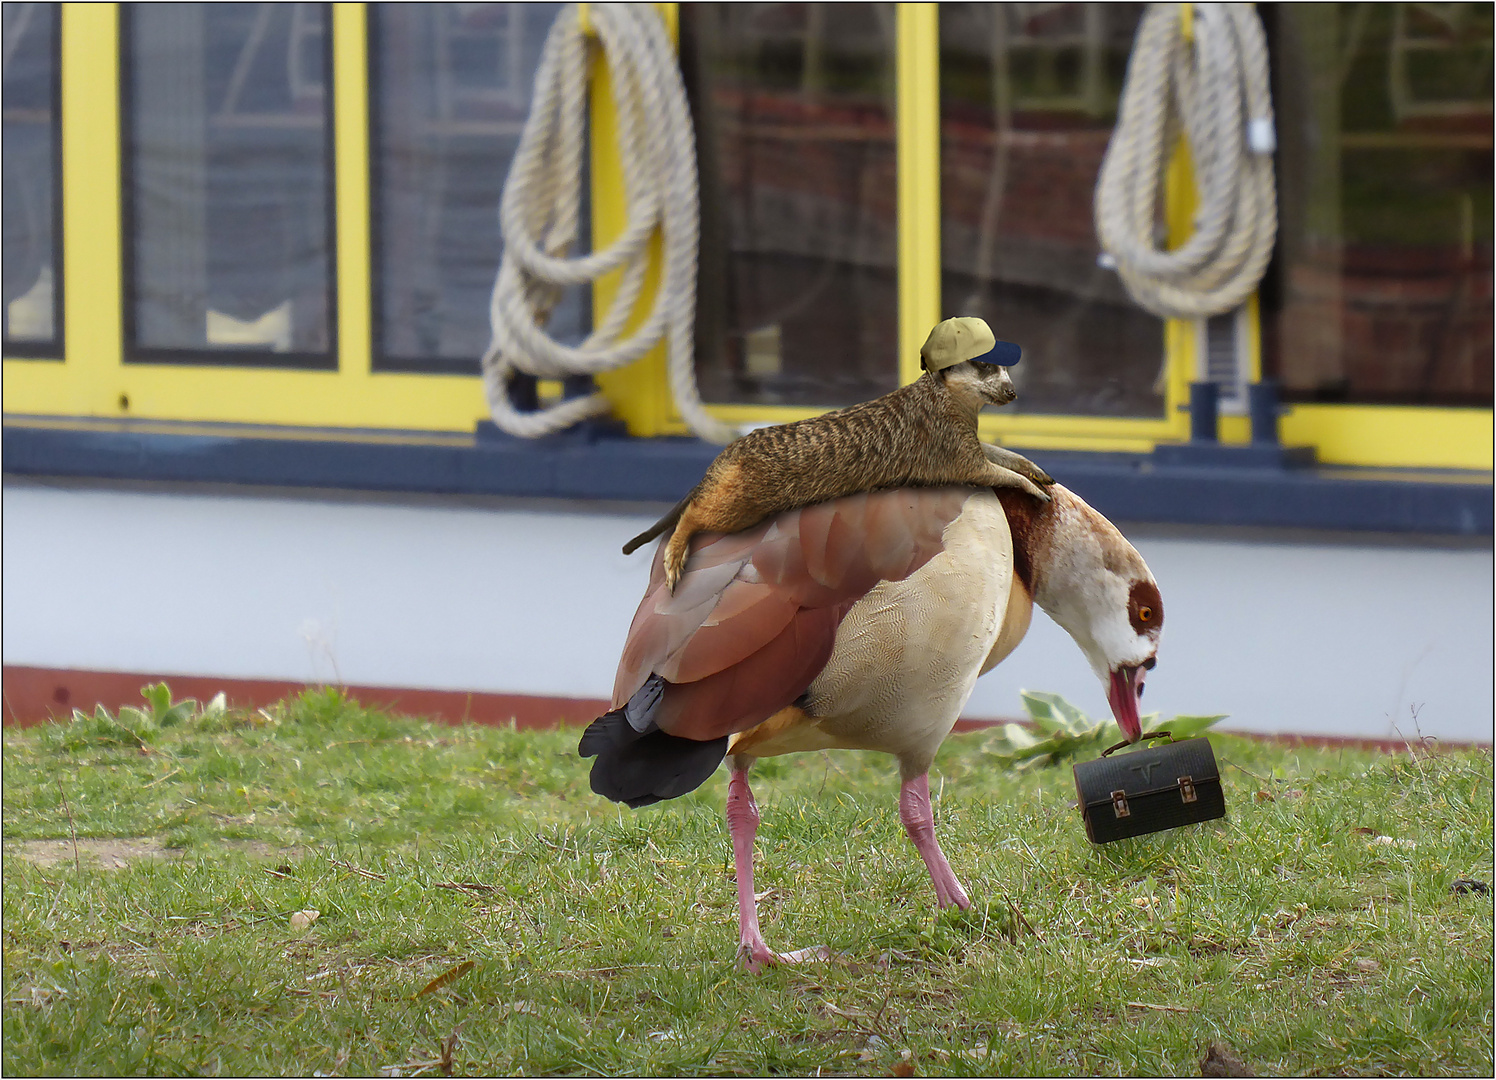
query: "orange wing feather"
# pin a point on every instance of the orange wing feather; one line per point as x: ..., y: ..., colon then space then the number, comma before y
x: 755, y: 615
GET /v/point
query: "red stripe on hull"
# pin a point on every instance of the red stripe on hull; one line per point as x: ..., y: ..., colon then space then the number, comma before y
x: 32, y: 695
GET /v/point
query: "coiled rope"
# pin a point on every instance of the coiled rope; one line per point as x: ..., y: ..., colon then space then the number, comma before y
x: 1217, y: 90
x: 539, y: 217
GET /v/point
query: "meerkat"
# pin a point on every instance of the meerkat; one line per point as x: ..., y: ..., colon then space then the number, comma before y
x: 920, y: 435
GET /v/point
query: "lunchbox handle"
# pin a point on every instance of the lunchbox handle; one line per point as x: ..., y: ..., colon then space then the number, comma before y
x: 1124, y: 743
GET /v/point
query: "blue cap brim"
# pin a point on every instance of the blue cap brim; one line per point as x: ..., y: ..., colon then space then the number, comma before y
x: 1004, y: 354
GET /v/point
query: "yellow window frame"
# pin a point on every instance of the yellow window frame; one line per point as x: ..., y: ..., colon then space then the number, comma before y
x: 93, y: 380
x: 1389, y: 436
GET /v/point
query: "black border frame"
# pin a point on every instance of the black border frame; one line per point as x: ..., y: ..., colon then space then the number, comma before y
x: 380, y: 361
x: 607, y: 466
x: 221, y: 358
x: 54, y: 348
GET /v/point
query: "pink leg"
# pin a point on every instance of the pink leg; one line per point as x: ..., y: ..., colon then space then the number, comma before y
x: 919, y: 823
x: 742, y: 825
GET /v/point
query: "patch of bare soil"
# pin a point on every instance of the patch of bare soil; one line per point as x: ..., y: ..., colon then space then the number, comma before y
x: 116, y: 854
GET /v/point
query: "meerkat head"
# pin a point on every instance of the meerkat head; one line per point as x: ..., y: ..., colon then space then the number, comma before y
x: 978, y: 384
x: 972, y: 364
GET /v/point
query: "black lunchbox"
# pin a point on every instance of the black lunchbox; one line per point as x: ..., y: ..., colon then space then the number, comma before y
x: 1149, y: 789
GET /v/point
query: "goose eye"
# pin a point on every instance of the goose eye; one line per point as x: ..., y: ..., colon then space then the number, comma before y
x: 1145, y: 613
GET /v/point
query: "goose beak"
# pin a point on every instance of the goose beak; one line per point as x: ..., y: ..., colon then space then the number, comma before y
x: 1122, y: 695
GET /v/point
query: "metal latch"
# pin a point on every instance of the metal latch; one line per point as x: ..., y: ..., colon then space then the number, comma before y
x: 1119, y: 803
x: 1187, y: 788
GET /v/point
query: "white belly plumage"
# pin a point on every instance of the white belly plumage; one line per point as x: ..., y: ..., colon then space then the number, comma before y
x: 908, y: 653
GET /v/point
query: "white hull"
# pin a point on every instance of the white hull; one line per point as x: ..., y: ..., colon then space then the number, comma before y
x: 1314, y: 636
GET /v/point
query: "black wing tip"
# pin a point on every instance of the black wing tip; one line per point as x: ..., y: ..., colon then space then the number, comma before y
x: 625, y: 724
x: 600, y: 734
x: 654, y: 767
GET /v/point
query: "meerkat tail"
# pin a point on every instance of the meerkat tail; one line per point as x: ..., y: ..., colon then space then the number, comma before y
x: 666, y: 522
x: 1015, y: 462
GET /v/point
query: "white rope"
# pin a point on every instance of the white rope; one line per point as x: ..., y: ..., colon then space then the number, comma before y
x: 1217, y: 92
x: 539, y: 217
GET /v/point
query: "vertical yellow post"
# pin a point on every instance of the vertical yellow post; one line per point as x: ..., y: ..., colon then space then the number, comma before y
x: 91, y: 238
x: 1182, y: 336
x: 917, y: 135
x: 640, y: 393
x: 350, y: 90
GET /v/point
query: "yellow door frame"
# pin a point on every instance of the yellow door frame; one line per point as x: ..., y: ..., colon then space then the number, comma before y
x: 93, y: 381
x: 917, y: 142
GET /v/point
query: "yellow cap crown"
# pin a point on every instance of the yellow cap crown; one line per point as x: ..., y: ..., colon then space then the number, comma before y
x: 955, y: 340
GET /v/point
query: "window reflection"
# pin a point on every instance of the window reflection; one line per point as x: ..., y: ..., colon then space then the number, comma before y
x: 794, y: 107
x: 1028, y: 97
x: 32, y: 230
x: 228, y: 191
x: 451, y: 88
x: 1382, y: 290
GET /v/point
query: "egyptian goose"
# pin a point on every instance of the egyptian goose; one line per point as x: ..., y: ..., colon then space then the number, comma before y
x: 860, y: 623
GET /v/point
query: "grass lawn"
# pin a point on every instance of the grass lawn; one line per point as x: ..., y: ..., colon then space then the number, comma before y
x: 1315, y: 931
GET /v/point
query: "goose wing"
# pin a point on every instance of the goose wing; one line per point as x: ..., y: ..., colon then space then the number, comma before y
x: 755, y: 615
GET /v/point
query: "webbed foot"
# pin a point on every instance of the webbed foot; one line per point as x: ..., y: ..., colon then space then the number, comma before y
x: 755, y: 955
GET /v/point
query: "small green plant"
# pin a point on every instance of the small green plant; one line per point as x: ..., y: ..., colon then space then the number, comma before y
x: 134, y: 726
x: 161, y: 713
x: 1061, y: 731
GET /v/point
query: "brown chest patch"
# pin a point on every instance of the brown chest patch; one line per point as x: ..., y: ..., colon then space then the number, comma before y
x: 1032, y: 525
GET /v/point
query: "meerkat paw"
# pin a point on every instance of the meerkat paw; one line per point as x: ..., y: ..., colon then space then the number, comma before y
x: 1008, y: 478
x: 1015, y: 462
x: 677, y: 550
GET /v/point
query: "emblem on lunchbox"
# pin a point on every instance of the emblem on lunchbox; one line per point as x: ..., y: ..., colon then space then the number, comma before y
x: 1162, y: 787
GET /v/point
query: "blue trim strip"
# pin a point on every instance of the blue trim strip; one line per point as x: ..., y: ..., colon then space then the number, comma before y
x: 604, y: 465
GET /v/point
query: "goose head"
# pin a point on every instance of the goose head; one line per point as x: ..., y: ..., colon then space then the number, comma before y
x: 1090, y: 580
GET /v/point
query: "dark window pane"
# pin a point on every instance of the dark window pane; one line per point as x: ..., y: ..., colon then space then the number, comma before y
x: 1028, y: 97
x: 1382, y: 289
x: 452, y: 86
x: 32, y: 234
x: 794, y: 107
x: 229, y: 183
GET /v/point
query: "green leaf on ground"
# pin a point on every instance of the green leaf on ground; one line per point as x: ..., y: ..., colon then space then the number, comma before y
x: 1061, y: 732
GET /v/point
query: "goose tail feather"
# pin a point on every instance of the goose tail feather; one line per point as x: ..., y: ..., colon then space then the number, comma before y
x: 637, y: 763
